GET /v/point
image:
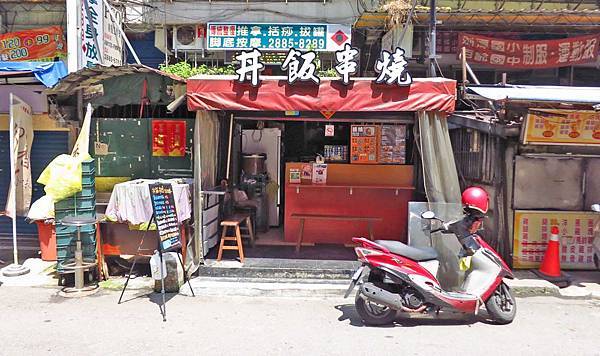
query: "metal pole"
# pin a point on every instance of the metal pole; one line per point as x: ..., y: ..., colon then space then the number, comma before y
x: 432, y: 38
x: 229, y: 149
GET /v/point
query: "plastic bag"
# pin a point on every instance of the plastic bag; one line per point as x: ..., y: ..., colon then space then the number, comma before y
x: 42, y: 209
x: 62, y: 177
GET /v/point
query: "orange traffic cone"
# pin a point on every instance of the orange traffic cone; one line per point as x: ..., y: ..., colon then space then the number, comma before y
x: 550, y: 268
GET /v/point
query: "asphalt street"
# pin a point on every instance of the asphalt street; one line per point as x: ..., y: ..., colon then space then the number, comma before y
x: 35, y: 321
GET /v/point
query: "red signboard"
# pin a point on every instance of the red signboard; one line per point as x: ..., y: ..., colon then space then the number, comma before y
x: 509, y: 53
x: 168, y: 138
x: 42, y: 44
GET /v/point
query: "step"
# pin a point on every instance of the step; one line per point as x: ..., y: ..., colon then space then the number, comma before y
x: 265, y: 268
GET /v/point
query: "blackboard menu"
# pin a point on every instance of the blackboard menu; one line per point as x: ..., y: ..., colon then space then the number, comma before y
x: 165, y: 215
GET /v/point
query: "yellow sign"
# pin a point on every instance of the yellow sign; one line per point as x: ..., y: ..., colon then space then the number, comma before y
x: 572, y: 127
x: 532, y: 232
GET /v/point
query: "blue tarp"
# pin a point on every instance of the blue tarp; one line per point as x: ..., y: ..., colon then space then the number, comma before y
x: 49, y: 73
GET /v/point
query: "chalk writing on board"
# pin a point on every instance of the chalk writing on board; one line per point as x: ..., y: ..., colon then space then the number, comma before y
x: 165, y: 215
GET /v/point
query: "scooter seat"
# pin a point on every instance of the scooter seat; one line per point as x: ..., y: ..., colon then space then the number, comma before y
x: 414, y: 253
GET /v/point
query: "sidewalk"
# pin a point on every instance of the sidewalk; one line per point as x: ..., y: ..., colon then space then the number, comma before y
x: 585, y: 284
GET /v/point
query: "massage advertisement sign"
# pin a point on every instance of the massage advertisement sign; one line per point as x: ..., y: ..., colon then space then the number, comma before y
x: 42, y: 44
x: 562, y: 127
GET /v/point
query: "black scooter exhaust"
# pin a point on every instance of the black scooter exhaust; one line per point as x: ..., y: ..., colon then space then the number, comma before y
x: 381, y: 296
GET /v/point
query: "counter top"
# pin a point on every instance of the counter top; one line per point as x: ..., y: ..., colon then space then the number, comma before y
x: 354, y: 186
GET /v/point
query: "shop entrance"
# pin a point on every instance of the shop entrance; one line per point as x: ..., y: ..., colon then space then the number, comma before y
x: 311, y: 185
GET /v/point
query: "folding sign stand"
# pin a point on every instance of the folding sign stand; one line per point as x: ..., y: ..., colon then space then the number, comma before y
x: 163, y: 309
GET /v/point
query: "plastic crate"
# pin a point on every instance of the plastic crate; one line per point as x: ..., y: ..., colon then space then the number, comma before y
x: 88, y: 189
x: 67, y: 252
x: 72, y: 230
x: 88, y: 180
x: 60, y: 214
x: 76, y: 202
x: 88, y: 167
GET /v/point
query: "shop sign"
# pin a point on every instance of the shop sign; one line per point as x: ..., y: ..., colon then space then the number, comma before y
x: 532, y: 232
x: 301, y: 66
x: 101, y: 41
x: 560, y: 127
x: 165, y: 215
x: 508, y: 53
x: 329, y: 130
x: 277, y: 36
x: 92, y: 28
x: 42, y: 44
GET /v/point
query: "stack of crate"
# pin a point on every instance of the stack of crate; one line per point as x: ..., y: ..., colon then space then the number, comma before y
x: 82, y: 204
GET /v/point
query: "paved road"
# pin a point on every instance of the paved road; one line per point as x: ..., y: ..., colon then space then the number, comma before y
x: 35, y: 321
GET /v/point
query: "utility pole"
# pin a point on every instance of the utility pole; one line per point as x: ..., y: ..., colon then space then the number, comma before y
x: 432, y: 38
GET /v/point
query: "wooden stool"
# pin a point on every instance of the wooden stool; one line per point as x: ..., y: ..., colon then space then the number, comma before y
x: 234, y: 222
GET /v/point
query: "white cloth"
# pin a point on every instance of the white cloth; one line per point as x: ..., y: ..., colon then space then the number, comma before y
x: 130, y: 201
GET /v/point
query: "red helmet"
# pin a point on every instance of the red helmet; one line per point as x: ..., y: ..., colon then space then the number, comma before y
x: 475, y: 198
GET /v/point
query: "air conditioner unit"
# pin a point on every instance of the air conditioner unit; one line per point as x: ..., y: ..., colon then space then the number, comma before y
x: 188, y: 37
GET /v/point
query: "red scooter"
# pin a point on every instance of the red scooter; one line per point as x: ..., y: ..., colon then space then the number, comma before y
x: 397, y: 277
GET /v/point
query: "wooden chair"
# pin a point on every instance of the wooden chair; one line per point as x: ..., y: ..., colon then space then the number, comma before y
x: 234, y: 222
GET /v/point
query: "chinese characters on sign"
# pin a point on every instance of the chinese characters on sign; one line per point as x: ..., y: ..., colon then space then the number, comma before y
x: 532, y: 232
x: 510, y: 53
x: 301, y: 66
x: 42, y: 44
x: 165, y: 216
x: 274, y: 37
x: 168, y: 138
x: 392, y: 68
x: 572, y: 127
x: 91, y: 32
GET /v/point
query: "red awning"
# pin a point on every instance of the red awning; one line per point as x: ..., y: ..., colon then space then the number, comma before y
x: 275, y: 94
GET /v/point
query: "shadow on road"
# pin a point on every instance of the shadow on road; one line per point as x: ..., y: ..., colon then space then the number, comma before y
x: 412, y: 320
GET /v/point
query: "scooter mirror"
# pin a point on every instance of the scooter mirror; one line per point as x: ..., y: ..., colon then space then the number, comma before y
x: 596, y: 208
x: 428, y: 215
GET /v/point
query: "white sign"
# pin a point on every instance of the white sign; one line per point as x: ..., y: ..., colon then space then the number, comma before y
x: 21, y: 140
x: 329, y: 130
x: 112, y: 54
x: 92, y: 28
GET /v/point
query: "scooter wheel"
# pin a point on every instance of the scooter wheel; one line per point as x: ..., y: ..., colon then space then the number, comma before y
x: 372, y: 313
x: 502, y: 305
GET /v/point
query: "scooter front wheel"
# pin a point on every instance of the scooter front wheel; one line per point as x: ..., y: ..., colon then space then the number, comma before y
x: 502, y: 305
x: 372, y: 313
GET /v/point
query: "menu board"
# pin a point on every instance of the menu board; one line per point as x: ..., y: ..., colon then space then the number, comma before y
x: 363, y: 145
x: 165, y: 215
x: 532, y: 233
x: 392, y: 144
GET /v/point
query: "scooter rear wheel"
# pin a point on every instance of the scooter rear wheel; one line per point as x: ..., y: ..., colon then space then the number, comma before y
x: 372, y: 313
x: 502, y: 305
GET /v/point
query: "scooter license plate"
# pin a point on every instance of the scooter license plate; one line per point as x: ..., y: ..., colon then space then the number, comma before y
x: 355, y: 279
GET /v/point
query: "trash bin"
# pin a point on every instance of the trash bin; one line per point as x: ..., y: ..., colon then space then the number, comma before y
x: 47, y: 238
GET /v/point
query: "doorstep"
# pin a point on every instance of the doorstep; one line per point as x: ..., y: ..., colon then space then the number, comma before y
x: 278, y: 268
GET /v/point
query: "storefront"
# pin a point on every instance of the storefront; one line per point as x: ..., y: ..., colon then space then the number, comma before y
x: 364, y: 132
x: 542, y: 156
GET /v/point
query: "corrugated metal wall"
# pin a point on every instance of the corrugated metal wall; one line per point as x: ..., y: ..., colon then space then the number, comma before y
x: 46, y: 146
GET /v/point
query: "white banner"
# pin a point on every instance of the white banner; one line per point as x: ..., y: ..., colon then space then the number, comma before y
x: 92, y: 32
x: 21, y: 140
x: 81, y: 149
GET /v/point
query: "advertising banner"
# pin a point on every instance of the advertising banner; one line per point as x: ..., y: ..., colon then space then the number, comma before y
x: 560, y: 127
x: 532, y: 232
x: 277, y: 37
x: 509, y: 53
x: 42, y: 44
x: 21, y: 126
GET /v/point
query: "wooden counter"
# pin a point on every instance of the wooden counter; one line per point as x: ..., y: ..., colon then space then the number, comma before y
x: 381, y: 191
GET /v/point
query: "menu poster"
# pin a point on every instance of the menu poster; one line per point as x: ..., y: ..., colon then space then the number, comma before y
x: 319, y: 173
x: 532, y: 232
x: 294, y: 176
x: 363, y: 143
x: 307, y: 170
x: 392, y: 144
x: 165, y: 215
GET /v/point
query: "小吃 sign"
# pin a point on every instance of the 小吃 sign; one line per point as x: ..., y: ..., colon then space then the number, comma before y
x: 562, y: 127
x: 165, y: 216
x: 509, y: 53
x: 277, y: 36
